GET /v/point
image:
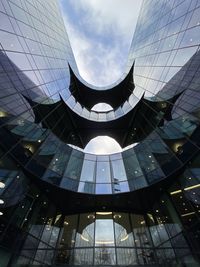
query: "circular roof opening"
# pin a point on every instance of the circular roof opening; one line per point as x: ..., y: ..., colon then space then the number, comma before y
x: 102, y: 107
x: 102, y: 145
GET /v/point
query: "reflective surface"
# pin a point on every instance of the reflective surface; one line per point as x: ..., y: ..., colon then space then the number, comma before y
x: 158, y: 156
x: 106, y: 238
x: 27, y: 72
x: 34, y: 57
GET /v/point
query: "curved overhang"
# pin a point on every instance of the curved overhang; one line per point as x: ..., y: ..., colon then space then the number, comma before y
x: 114, y: 95
x: 178, y: 151
x: 139, y: 197
x: 131, y: 127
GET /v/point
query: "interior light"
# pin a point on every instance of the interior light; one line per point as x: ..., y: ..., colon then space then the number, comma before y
x: 175, y: 192
x: 177, y: 147
x: 164, y: 105
x: 91, y: 216
x: 192, y: 187
x: 2, y: 185
x: 29, y: 147
x: 104, y: 242
x: 66, y: 223
x: 117, y: 216
x: 103, y: 213
x: 187, y: 214
x: 150, y: 217
x: 2, y: 114
x: 1, y: 213
x: 125, y: 238
x: 185, y: 189
x: 1, y: 201
x: 84, y: 238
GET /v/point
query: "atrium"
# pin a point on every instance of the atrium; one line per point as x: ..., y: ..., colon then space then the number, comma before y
x: 63, y: 206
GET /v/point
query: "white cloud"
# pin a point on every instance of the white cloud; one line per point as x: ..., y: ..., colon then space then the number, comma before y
x: 97, y: 63
x: 101, y: 55
x: 106, y: 22
x: 105, y: 15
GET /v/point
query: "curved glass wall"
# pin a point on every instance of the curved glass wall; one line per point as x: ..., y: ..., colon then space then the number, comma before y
x: 146, y: 163
x: 106, y: 238
x: 162, y: 153
x: 34, y: 57
x: 35, y: 232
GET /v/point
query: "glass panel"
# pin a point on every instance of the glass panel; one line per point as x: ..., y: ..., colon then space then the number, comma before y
x: 126, y: 256
x: 104, y: 231
x: 103, y: 189
x: 118, y: 169
x: 140, y: 231
x: 105, y: 255
x: 86, y: 187
x: 87, y: 173
x: 85, y: 233
x: 74, y: 166
x: 103, y: 172
x: 123, y: 231
x: 83, y: 257
x: 68, y: 232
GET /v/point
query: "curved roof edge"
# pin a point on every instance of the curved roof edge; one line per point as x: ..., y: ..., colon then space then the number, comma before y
x: 114, y: 95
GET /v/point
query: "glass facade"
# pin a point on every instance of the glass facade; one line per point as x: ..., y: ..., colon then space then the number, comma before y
x: 167, y: 233
x: 62, y: 206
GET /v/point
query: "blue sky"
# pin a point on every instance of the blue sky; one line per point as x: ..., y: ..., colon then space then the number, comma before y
x: 100, y: 33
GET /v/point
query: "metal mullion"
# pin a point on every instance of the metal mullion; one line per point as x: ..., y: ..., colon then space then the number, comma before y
x: 58, y: 238
x: 114, y: 232
x: 148, y: 229
x: 94, y: 246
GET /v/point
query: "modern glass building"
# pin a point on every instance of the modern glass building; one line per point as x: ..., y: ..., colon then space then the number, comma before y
x: 60, y: 206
